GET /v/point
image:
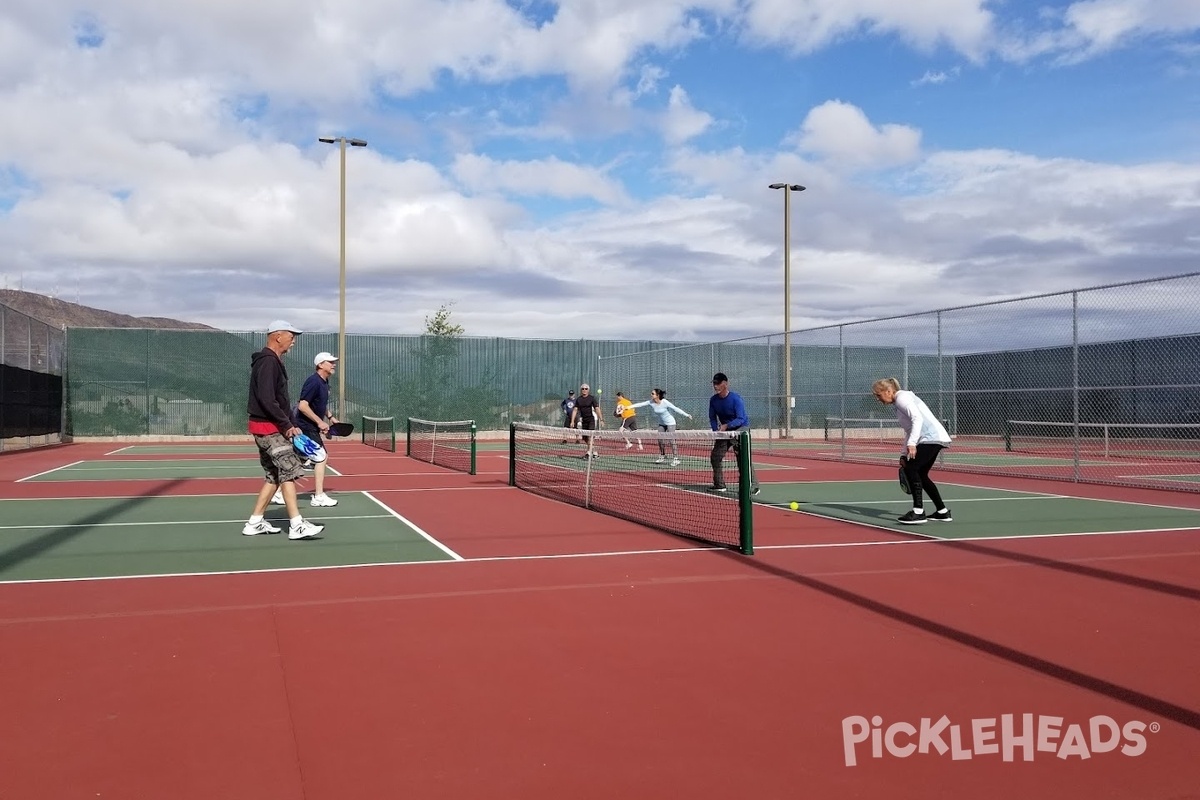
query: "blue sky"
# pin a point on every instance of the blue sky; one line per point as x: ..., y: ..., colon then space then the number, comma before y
x: 593, y: 168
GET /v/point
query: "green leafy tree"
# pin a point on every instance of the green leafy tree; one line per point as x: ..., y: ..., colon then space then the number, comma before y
x: 436, y: 390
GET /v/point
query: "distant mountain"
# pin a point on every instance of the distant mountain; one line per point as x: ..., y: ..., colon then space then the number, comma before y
x: 60, y: 313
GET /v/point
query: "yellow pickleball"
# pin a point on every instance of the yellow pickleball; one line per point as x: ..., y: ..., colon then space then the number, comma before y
x: 794, y: 506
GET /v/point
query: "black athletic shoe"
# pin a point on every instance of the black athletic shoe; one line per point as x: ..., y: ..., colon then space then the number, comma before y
x: 912, y: 519
x: 717, y: 489
x: 755, y: 491
x: 941, y: 516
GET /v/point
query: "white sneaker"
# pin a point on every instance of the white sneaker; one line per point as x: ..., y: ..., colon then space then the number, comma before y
x: 674, y: 462
x: 322, y: 500
x: 305, y: 530
x: 262, y: 526
x: 277, y: 498
x: 628, y: 445
x: 660, y: 460
x: 640, y: 446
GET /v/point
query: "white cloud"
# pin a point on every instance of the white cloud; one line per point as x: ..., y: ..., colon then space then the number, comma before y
x: 841, y: 133
x: 934, y: 78
x: 804, y: 26
x: 545, y: 178
x: 1105, y: 24
x: 159, y: 172
x: 682, y: 120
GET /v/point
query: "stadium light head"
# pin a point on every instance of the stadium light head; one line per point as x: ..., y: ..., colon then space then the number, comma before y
x: 326, y: 139
x: 357, y: 142
x: 795, y: 187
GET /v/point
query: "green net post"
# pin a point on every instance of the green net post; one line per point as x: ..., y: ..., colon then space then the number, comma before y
x: 745, y: 499
x: 512, y: 454
x: 473, y: 432
x: 362, y: 429
x: 1008, y: 436
x: 408, y: 437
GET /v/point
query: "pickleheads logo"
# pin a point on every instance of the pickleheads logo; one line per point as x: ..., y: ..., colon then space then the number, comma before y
x: 1009, y: 737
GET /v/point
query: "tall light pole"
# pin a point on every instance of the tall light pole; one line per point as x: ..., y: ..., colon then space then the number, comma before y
x: 342, y: 141
x: 788, y: 188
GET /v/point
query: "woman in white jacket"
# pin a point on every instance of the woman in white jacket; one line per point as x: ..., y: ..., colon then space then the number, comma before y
x: 661, y: 407
x: 924, y: 438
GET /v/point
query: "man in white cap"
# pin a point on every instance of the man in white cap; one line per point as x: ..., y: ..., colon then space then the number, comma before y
x: 272, y: 426
x: 314, y: 418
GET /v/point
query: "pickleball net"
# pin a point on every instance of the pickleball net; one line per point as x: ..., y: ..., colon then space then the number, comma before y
x: 449, y: 444
x: 663, y: 485
x: 1145, y: 441
x: 379, y: 432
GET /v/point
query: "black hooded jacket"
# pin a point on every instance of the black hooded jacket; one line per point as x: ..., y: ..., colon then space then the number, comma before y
x: 269, y: 400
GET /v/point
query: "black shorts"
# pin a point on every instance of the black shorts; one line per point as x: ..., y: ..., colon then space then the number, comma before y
x: 629, y: 423
x: 587, y: 423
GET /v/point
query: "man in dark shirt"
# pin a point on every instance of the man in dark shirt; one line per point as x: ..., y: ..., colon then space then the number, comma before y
x: 314, y: 418
x: 587, y: 411
x: 272, y: 426
x: 568, y: 406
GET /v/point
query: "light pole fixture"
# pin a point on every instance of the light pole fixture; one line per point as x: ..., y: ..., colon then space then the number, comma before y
x: 788, y: 400
x: 342, y: 141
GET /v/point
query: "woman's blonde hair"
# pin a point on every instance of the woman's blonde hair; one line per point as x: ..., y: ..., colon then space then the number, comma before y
x: 885, y: 383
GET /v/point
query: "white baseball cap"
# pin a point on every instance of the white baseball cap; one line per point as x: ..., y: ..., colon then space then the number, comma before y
x: 283, y: 325
x: 324, y: 357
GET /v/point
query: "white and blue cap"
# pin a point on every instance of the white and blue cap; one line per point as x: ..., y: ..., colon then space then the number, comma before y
x: 283, y: 325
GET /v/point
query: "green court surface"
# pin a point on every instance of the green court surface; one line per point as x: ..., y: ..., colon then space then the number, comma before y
x: 107, y: 537
x: 978, y: 513
x: 135, y: 470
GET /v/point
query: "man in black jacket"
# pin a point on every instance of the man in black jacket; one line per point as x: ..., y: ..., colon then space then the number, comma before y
x: 272, y: 426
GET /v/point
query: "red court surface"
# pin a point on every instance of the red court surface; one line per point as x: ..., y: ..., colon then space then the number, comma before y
x: 565, y: 658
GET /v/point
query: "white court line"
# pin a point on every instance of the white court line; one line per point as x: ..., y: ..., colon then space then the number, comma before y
x: 1000, y: 538
x: 171, y: 522
x: 590, y: 555
x: 46, y: 472
x: 427, y: 537
x: 120, y: 449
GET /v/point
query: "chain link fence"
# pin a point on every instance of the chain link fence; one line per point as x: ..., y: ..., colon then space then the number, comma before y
x: 31, y: 383
x: 166, y: 383
x: 1098, y: 385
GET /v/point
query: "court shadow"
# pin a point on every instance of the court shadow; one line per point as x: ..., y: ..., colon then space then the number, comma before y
x: 53, y: 538
x: 875, y: 515
x: 1154, y: 705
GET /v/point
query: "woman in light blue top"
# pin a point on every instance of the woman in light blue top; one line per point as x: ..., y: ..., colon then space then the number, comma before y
x: 661, y: 407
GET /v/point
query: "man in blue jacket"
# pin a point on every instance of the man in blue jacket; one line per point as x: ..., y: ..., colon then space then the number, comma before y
x: 726, y: 412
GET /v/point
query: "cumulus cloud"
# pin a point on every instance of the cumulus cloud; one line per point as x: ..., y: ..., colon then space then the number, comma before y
x: 549, y: 177
x: 527, y: 162
x: 804, y: 26
x: 682, y: 120
x: 841, y: 133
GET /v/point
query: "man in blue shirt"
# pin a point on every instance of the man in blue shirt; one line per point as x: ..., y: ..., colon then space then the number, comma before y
x: 726, y: 412
x: 314, y: 418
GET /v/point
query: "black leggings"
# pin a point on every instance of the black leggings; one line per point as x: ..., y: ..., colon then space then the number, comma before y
x: 917, y: 470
